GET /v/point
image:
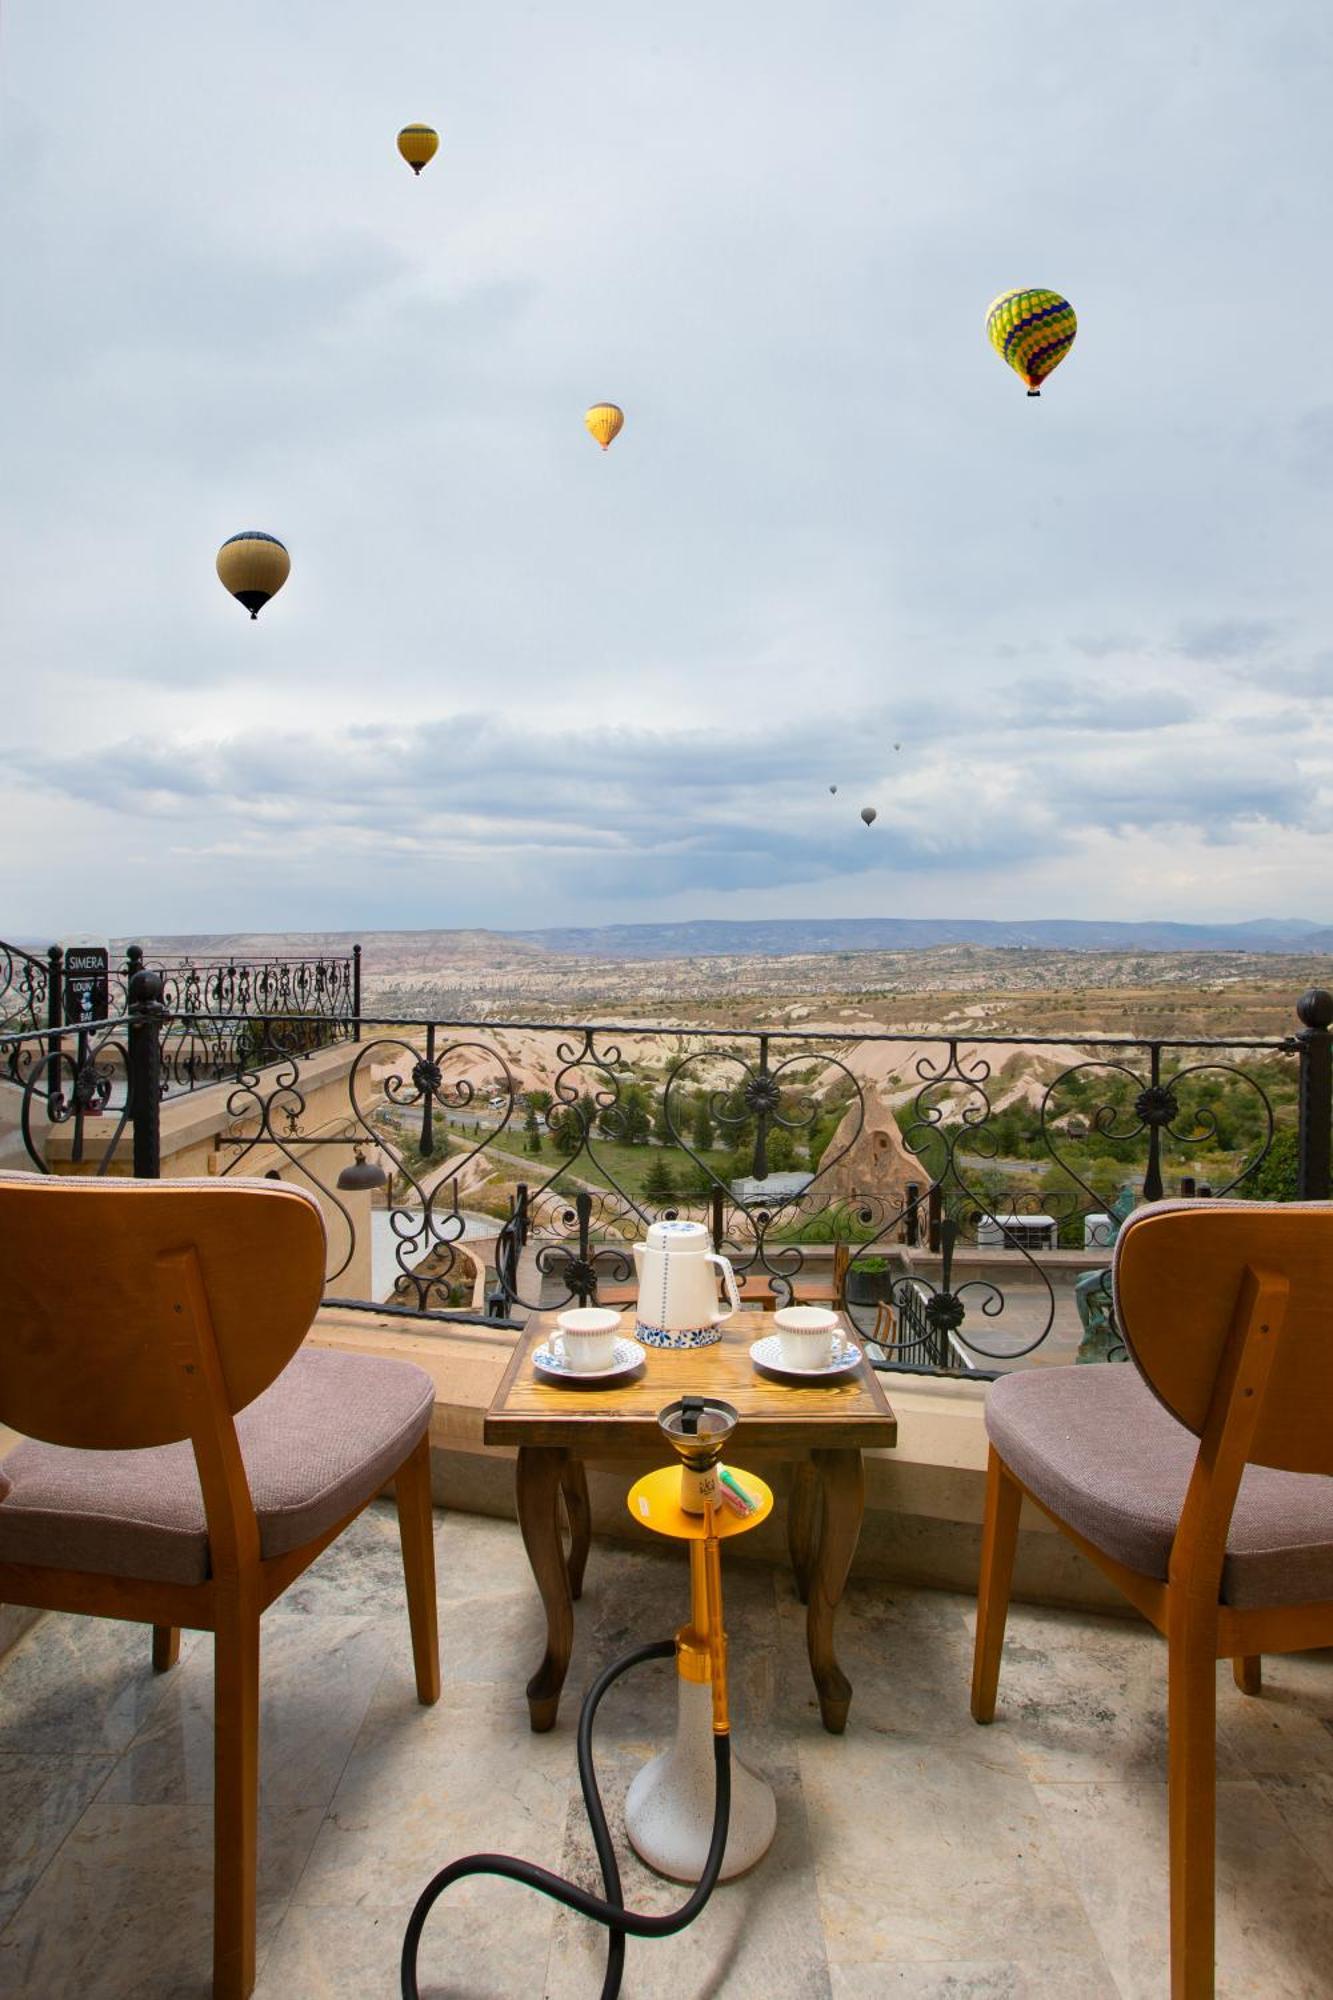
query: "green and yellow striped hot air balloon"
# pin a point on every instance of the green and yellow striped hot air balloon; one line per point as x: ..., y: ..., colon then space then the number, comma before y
x: 1033, y: 331
x: 253, y: 566
x: 418, y: 145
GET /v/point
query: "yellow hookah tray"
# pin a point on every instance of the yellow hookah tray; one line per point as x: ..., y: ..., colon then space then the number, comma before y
x: 654, y: 1502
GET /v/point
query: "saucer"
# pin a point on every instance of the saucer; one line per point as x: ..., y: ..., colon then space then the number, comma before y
x: 551, y: 1363
x: 766, y: 1355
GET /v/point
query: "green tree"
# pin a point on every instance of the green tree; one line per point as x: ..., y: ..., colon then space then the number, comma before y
x: 1276, y: 1178
x: 701, y: 1124
x: 659, y: 1183
x: 533, y: 1141
x: 627, y: 1120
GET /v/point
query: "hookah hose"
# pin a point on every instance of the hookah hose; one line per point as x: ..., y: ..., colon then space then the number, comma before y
x: 609, y: 1910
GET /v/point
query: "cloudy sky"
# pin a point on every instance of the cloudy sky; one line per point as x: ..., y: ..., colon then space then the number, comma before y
x: 515, y: 681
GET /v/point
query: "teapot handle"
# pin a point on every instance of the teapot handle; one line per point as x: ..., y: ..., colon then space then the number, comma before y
x: 729, y: 1280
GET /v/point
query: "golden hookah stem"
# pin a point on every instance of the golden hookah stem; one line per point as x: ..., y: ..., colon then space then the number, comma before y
x: 717, y: 1636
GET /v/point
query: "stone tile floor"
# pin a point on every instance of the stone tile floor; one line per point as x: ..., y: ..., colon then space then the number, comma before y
x: 917, y: 1855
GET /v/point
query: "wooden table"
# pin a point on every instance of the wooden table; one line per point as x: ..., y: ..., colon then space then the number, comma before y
x: 557, y: 1426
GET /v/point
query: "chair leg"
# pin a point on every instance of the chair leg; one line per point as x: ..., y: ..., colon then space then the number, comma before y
x: 166, y: 1647
x: 999, y: 1540
x: 1192, y: 1791
x: 416, y: 1531
x: 1249, y: 1673
x: 236, y: 1790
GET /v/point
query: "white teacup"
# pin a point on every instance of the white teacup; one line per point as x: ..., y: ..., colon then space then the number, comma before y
x: 588, y: 1337
x: 806, y: 1335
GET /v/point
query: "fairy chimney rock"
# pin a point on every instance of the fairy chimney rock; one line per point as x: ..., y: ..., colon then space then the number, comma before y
x: 875, y: 1160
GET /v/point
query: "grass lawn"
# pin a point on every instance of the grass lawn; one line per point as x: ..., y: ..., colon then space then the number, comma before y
x: 607, y: 1161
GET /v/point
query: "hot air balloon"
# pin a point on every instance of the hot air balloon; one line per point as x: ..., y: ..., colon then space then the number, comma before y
x: 253, y: 567
x: 1033, y: 331
x: 418, y: 145
x: 833, y: 788
x: 604, y: 420
x: 869, y: 815
x: 897, y: 746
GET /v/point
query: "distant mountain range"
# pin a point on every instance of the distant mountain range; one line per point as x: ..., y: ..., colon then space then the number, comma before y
x: 793, y: 936
x: 788, y: 937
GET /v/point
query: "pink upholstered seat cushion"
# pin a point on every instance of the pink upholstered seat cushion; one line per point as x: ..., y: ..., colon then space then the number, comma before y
x: 321, y: 1440
x: 1096, y: 1447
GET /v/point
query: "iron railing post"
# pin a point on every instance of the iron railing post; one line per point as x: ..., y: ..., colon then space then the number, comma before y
x: 356, y: 992
x: 1315, y: 1009
x: 146, y: 1014
x: 430, y: 1076
x: 55, y: 1014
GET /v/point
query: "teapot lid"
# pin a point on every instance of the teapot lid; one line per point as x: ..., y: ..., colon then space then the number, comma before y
x: 678, y: 1236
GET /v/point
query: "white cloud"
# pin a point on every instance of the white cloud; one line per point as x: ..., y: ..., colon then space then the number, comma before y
x: 511, y: 678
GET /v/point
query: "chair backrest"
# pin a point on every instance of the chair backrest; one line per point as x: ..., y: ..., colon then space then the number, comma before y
x: 1179, y: 1268
x: 83, y: 1357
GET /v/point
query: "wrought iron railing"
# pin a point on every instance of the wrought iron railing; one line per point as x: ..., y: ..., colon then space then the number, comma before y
x: 226, y: 1015
x: 969, y: 1181
x: 29, y: 998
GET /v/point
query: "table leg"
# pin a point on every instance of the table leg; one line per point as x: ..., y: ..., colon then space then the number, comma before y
x: 541, y: 1473
x: 842, y: 1485
x: 803, y: 1525
x: 574, y: 1486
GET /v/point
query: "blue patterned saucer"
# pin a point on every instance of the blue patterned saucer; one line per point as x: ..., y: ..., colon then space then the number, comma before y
x: 551, y: 1363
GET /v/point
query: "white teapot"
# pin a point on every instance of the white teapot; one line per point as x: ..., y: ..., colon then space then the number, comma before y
x: 678, y: 1287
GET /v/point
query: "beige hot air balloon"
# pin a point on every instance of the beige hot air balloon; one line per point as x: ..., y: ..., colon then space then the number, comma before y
x: 253, y: 566
x: 605, y: 420
x: 418, y: 145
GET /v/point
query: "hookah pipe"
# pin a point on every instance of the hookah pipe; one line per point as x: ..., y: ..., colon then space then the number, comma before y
x: 702, y: 1654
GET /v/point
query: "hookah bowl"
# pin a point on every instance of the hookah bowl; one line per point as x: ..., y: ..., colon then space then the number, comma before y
x: 669, y: 1807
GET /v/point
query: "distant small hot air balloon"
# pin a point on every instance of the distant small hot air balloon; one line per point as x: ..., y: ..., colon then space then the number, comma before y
x: 1033, y: 331
x: 418, y: 145
x: 897, y: 746
x: 253, y: 566
x: 833, y: 788
x: 604, y: 421
x: 869, y: 815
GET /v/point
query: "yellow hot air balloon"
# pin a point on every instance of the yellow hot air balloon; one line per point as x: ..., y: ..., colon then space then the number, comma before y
x: 418, y: 145
x: 1033, y: 331
x: 253, y: 567
x: 605, y: 420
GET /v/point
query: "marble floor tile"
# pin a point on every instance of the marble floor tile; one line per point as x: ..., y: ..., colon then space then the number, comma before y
x: 1274, y: 1910
x: 41, y: 1798
x: 924, y: 1851
x: 1305, y: 1805
x: 1005, y: 1979
x: 758, y: 1935
x: 483, y: 1941
x: 126, y: 1907
x: 918, y: 1855
x: 1285, y: 1730
x: 908, y: 1656
x: 316, y: 1679
x: 358, y: 1576
x: 425, y: 1786
x: 74, y: 1686
x: 1082, y: 1697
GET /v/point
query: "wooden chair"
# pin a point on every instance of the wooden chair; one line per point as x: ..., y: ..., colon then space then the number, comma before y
x: 842, y: 1257
x: 1197, y: 1479
x: 183, y: 1462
